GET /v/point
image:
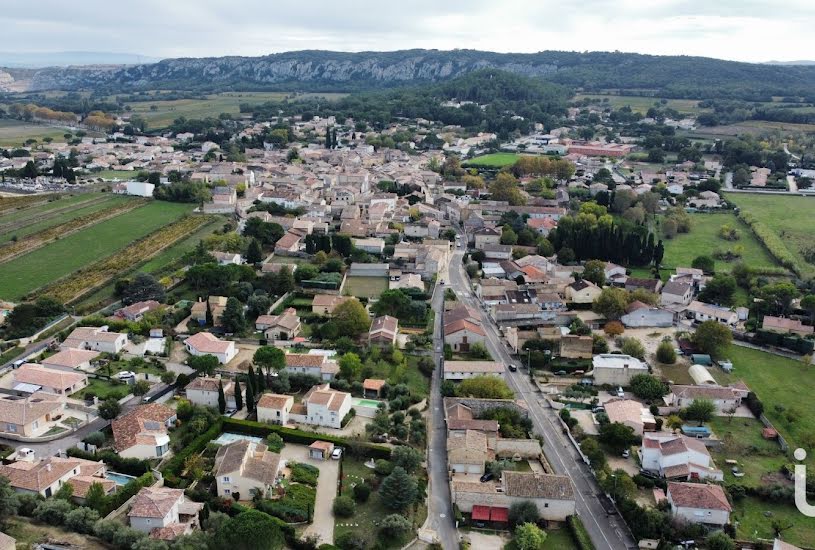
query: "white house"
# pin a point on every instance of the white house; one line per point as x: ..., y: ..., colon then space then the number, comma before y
x: 142, y: 432
x: 244, y: 467
x: 322, y: 406
x: 274, y: 408
x: 676, y: 293
x: 461, y: 370
x: 725, y: 399
x: 204, y: 391
x: 699, y: 503
x: 313, y: 364
x: 701, y: 312
x: 96, y: 339
x: 616, y: 369
x: 45, y: 476
x: 204, y: 343
x: 677, y: 457
x: 163, y: 513
x: 70, y: 359
x: 228, y: 258
x: 462, y: 333
x: 140, y: 188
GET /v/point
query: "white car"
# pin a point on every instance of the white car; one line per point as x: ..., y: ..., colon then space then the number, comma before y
x: 126, y: 375
x: 336, y: 454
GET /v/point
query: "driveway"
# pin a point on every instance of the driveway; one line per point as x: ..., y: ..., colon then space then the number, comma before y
x: 482, y: 541
x: 322, y: 524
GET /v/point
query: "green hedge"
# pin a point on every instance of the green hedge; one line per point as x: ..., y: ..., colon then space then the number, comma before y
x: 292, y: 435
x: 579, y: 534
x: 130, y: 466
x: 772, y: 242
x: 172, y: 470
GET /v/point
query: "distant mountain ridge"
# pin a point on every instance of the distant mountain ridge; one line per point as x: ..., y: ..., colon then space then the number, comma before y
x: 38, y: 60
x: 313, y: 70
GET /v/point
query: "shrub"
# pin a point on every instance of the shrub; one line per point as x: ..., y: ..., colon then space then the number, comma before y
x: 275, y: 443
x: 81, y: 520
x: 53, y: 511
x: 362, y: 492
x: 383, y: 467
x: 579, y: 533
x: 304, y: 473
x: 344, y: 507
x: 666, y: 353
x: 351, y: 541
x: 395, y: 525
x: 172, y: 470
x: 614, y: 328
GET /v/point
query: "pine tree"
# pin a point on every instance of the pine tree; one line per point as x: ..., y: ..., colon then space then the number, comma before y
x: 238, y: 395
x: 398, y: 490
x: 221, y: 397
x: 254, y: 253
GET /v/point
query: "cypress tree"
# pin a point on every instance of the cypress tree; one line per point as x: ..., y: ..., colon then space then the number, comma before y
x: 221, y: 397
x: 251, y: 381
x: 238, y: 395
x: 250, y: 399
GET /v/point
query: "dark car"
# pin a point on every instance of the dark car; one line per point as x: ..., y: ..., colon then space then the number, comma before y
x: 512, y: 368
x: 487, y: 477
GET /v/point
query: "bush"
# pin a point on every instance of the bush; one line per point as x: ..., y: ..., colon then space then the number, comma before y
x: 351, y: 541
x: 28, y: 503
x: 304, y: 473
x: 614, y: 328
x: 666, y: 353
x: 344, y: 507
x: 81, y: 520
x: 362, y: 492
x: 172, y: 470
x: 395, y: 526
x: 275, y: 443
x: 52, y: 512
x: 383, y: 467
x: 579, y: 533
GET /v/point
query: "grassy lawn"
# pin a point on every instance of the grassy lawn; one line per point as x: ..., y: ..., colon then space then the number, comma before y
x: 494, y: 159
x: 703, y: 239
x: 10, y: 354
x: 114, y: 174
x: 759, y: 459
x: 16, y: 132
x: 369, y: 514
x: 559, y: 539
x: 57, y: 259
x: 415, y: 380
x: 44, y: 220
x: 678, y: 372
x: 783, y: 385
x: 365, y: 287
x: 756, y: 519
x: 790, y: 217
x: 103, y: 389
x: 642, y: 104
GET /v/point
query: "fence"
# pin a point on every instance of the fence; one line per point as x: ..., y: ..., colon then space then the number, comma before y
x: 781, y: 441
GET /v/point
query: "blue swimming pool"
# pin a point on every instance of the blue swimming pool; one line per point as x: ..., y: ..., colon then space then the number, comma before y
x: 119, y: 479
x: 227, y: 438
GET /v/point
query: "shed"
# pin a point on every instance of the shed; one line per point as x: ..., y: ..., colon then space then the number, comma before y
x: 701, y: 376
x: 320, y: 450
x: 701, y: 359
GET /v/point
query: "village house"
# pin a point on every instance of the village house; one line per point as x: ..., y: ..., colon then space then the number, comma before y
x: 461, y: 370
x: 383, y: 331
x: 725, y: 399
x: 204, y: 343
x: 630, y: 413
x: 31, y: 378
x: 71, y: 359
x: 699, y: 503
x: 642, y: 315
x: 651, y: 285
x: 243, y: 468
x: 676, y: 293
x: 324, y: 304
x: 582, y: 292
x: 96, y: 339
x: 322, y: 406
x: 28, y: 417
x: 677, y: 457
x: 486, y: 236
x: 700, y: 312
x: 135, y: 312
x: 142, y: 432
x: 45, y: 476
x: 163, y: 513
x: 204, y: 391
x: 285, y: 326
x: 315, y: 365
x: 467, y: 452
x: 274, y: 408
x: 462, y: 333
x: 616, y: 369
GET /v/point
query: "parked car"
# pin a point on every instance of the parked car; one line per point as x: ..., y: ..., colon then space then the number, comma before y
x: 512, y: 367
x: 561, y: 373
x: 620, y: 392
x: 489, y: 476
x: 126, y: 375
x: 336, y: 453
x: 596, y: 410
x: 230, y: 412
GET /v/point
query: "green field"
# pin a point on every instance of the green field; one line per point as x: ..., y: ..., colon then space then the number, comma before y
x: 365, y: 287
x: 756, y: 519
x: 57, y: 259
x: 789, y: 216
x: 498, y: 160
x: 54, y: 202
x: 640, y: 104
x: 703, y: 239
x: 16, y: 132
x: 760, y: 459
x: 103, y: 389
x: 114, y: 174
x: 160, y: 114
x: 46, y: 220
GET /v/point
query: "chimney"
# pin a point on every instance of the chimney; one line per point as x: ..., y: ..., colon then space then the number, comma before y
x: 48, y: 467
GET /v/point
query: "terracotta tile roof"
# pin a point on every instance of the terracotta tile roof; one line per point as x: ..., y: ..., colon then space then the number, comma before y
x: 82, y: 484
x: 31, y: 373
x: 274, y: 401
x: 473, y: 366
x: 373, y: 384
x: 322, y: 445
x: 140, y: 424
x: 155, y: 502
x: 462, y: 324
x: 385, y: 324
x: 84, y: 334
x: 533, y: 485
x: 304, y: 360
x: 698, y: 495
x: 36, y: 476
x: 24, y: 411
x: 70, y: 357
x: 169, y: 532
x: 457, y: 424
x: 205, y: 342
x: 206, y: 383
x: 249, y: 459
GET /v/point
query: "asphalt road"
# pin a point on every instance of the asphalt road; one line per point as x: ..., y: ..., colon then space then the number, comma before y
x: 606, y: 532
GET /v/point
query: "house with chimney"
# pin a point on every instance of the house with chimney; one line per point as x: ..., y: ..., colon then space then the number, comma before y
x: 318, y: 365
x: 677, y: 457
x: 142, y: 432
x: 163, y: 513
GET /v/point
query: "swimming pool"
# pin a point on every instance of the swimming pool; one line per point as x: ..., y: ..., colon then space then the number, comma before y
x: 360, y: 402
x: 119, y: 479
x: 227, y: 438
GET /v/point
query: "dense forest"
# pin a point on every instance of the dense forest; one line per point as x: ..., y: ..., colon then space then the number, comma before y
x: 324, y: 71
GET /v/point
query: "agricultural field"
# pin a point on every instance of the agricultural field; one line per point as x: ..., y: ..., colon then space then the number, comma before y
x: 703, y: 239
x: 789, y: 216
x: 113, y: 174
x: 59, y: 258
x: 160, y: 114
x: 498, y: 160
x: 641, y: 104
x: 55, y: 206
x: 14, y: 133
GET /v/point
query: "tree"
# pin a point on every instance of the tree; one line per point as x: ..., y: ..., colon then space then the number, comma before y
x: 203, y: 364
x: 666, y: 353
x: 522, y: 512
x: 808, y: 305
x: 406, y: 457
x: 232, y: 318
x: 592, y: 450
x: 109, y: 408
x: 250, y: 398
x: 611, y: 303
x: 254, y: 253
x: 258, y: 304
x: 351, y: 319
x: 66, y: 492
x: 618, y: 484
x: 479, y: 351
x: 270, y: 358
x: 617, y: 436
x: 143, y: 287
x: 484, y: 387
x: 719, y: 541
x: 719, y: 290
x: 168, y: 377
x: 52, y: 512
x: 705, y: 263
x: 394, y: 525
x: 505, y: 188
x: 350, y: 366
x: 238, y: 395
x: 82, y: 520
x: 141, y: 387
x: 712, y: 337
x: 362, y: 492
x: 595, y: 271
x: 351, y: 540
x: 95, y: 497
x: 274, y: 442
x: 508, y: 236
x: 250, y: 530
x: 398, y: 491
x: 701, y: 410
x: 777, y: 297
x: 344, y: 507
x: 221, y: 397
x: 529, y: 536
x: 647, y: 387
x: 634, y: 348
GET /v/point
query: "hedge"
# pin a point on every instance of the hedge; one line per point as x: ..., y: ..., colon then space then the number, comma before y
x: 172, y: 470
x: 579, y: 533
x: 794, y: 343
x: 130, y: 466
x: 772, y: 242
x: 292, y: 435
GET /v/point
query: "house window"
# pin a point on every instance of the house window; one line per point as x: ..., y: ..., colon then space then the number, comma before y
x: 227, y: 479
x: 227, y: 492
x: 546, y: 505
x: 11, y: 428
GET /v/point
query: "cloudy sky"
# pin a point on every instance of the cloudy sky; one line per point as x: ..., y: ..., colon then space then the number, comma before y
x: 745, y: 30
